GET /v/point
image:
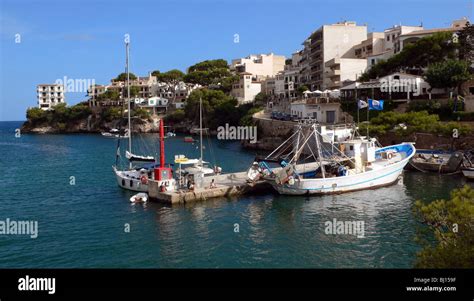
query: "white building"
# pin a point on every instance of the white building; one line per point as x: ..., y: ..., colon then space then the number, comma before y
x: 260, y: 66
x: 50, y: 95
x: 319, y: 109
x: 246, y: 89
x: 343, y: 69
x: 326, y: 43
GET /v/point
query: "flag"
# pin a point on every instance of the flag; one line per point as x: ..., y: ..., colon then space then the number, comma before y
x: 362, y: 104
x: 375, y: 104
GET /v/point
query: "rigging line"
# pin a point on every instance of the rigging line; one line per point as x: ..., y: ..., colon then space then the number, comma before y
x: 281, y: 145
x: 297, y: 154
x: 344, y: 155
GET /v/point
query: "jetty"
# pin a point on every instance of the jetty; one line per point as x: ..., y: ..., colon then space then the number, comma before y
x: 226, y: 185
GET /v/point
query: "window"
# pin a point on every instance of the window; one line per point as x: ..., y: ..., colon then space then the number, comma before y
x: 388, y: 38
x: 351, y: 147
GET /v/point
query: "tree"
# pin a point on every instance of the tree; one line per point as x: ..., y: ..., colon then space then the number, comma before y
x: 211, y: 72
x: 466, y: 41
x: 451, y: 223
x: 156, y: 73
x: 122, y: 77
x: 261, y: 99
x: 218, y: 108
x: 209, y: 65
x: 301, y: 89
x: 134, y: 90
x: 34, y: 114
x: 447, y: 74
x: 170, y: 76
x: 418, y: 55
x: 109, y: 95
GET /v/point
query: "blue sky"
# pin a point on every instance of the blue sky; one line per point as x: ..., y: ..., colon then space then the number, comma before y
x: 83, y: 39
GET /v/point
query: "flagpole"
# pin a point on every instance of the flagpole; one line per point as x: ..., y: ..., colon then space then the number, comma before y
x: 368, y: 122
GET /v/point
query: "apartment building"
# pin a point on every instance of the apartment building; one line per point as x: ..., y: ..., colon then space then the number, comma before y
x: 327, y: 43
x: 260, y: 66
x: 340, y: 70
x: 50, y: 95
x: 373, y: 45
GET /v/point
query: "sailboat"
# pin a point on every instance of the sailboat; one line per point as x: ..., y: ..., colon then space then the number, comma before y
x: 137, y: 178
x: 198, y: 168
x: 349, y: 165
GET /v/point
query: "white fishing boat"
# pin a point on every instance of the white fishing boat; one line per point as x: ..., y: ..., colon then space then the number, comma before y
x: 137, y: 178
x: 350, y: 165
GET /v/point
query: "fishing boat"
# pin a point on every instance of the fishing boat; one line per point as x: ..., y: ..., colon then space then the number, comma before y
x: 336, y: 167
x: 439, y: 161
x: 136, y: 178
x: 467, y: 168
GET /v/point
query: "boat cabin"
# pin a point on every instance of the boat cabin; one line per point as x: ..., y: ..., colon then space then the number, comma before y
x: 362, y: 150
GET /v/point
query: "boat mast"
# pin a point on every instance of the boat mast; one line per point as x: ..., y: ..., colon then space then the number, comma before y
x: 319, y: 151
x: 128, y: 100
x: 200, y: 130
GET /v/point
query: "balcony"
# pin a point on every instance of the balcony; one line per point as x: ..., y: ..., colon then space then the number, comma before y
x: 333, y: 73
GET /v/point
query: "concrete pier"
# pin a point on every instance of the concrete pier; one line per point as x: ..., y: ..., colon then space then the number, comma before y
x: 231, y: 184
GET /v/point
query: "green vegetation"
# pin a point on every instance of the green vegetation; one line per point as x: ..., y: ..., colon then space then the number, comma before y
x: 60, y: 116
x: 426, y: 51
x: 123, y: 77
x: 134, y: 91
x: 169, y: 76
x: 109, y: 95
x: 218, y: 108
x: 466, y: 41
x: 451, y: 223
x: 211, y: 72
x: 301, y: 89
x: 415, y: 122
x: 111, y: 113
x: 445, y: 58
x: 140, y: 113
x: 175, y: 117
x: 448, y: 74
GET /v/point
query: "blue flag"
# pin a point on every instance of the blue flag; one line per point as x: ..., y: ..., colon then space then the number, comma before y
x: 375, y: 104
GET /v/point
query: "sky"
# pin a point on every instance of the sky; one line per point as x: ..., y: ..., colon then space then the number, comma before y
x: 43, y: 41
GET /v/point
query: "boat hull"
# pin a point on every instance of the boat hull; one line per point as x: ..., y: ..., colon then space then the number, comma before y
x: 468, y: 173
x: 334, y: 185
x: 125, y: 181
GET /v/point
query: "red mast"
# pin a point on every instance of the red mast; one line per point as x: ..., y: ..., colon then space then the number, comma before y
x: 162, y: 144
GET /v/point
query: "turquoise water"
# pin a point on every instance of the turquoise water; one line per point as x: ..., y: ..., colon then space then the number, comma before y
x: 82, y: 225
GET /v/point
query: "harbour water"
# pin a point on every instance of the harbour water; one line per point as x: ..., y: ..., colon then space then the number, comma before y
x: 84, y: 225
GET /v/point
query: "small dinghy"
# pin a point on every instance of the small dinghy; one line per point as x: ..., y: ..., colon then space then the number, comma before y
x: 139, y: 198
